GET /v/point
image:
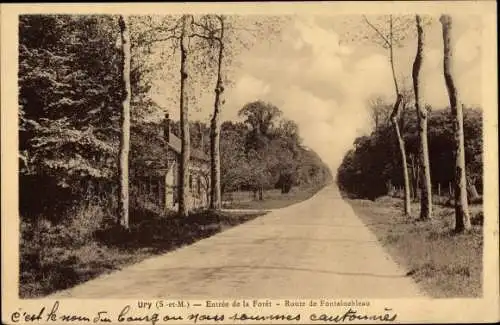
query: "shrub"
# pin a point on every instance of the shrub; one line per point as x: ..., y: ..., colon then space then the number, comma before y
x: 85, y: 220
x: 49, y: 249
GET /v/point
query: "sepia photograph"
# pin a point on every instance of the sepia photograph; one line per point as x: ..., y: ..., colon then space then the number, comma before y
x: 283, y: 159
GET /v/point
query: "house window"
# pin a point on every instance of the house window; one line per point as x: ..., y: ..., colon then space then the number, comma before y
x: 190, y: 181
x: 198, y: 185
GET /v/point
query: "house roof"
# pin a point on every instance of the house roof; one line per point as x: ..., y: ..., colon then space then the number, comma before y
x: 150, y: 141
x: 176, y: 145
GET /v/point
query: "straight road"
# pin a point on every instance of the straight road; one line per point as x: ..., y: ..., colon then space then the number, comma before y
x: 314, y: 249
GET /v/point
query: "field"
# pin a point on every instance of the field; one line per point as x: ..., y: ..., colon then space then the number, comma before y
x: 444, y: 264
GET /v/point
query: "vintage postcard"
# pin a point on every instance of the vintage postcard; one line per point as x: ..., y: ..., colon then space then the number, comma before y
x: 266, y: 162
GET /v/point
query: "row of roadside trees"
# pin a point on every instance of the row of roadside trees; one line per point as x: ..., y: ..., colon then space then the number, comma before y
x: 76, y: 72
x: 390, y: 35
x: 85, y: 80
x: 206, y: 44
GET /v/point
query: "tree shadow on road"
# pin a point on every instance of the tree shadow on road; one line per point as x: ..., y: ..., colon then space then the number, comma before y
x: 161, y: 234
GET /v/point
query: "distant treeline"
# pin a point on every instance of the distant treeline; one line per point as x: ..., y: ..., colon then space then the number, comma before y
x: 263, y: 152
x: 372, y: 168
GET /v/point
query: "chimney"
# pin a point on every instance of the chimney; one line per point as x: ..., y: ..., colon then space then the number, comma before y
x: 166, y: 128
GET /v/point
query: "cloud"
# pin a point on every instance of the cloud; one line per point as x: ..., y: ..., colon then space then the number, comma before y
x: 470, y: 86
x: 467, y: 79
x: 321, y: 40
x: 320, y: 89
x: 370, y: 75
x: 247, y: 88
x: 468, y: 46
x: 324, y: 86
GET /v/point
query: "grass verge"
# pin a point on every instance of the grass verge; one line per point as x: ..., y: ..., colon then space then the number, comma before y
x: 444, y: 264
x: 56, y: 257
x: 274, y: 199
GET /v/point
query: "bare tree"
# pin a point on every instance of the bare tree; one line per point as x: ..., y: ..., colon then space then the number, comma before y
x: 225, y: 37
x: 380, y: 111
x: 462, y: 216
x: 124, y: 123
x: 184, y: 121
x: 215, y: 193
x: 389, y: 42
x: 426, y: 187
x: 205, y: 40
x: 175, y: 31
x: 213, y: 31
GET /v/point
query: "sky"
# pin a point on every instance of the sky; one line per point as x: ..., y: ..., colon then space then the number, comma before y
x: 322, y: 72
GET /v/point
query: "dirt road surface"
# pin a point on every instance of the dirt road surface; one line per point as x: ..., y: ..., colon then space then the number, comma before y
x: 314, y: 249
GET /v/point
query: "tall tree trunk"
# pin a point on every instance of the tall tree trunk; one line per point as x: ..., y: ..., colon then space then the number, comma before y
x: 184, y: 120
x: 125, y: 125
x: 402, y: 150
x: 462, y: 216
x: 396, y: 111
x: 426, y: 189
x: 215, y: 189
x: 415, y: 180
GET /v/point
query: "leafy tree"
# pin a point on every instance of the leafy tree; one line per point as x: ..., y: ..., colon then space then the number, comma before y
x: 234, y: 161
x: 69, y: 97
x: 261, y: 119
x: 274, y: 151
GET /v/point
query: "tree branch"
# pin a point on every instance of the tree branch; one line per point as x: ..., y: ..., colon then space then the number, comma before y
x: 376, y: 30
x: 163, y: 39
x: 209, y: 38
x: 157, y: 29
x: 391, y: 53
x: 206, y: 28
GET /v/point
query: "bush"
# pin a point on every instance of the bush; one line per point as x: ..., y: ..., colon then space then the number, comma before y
x: 49, y: 249
x: 85, y: 220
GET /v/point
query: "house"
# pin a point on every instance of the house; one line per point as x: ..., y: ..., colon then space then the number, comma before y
x: 156, y: 184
